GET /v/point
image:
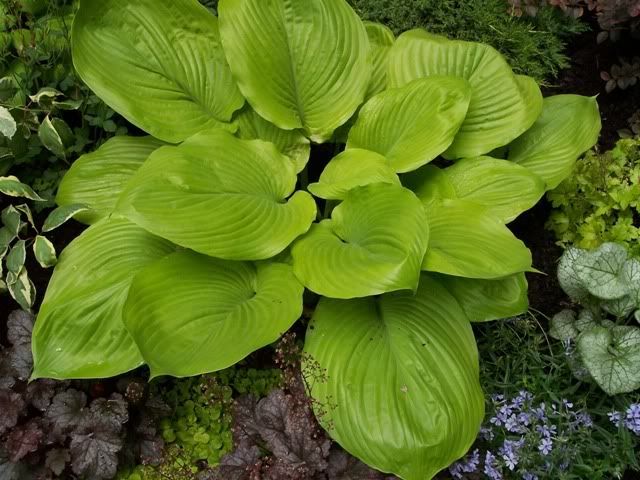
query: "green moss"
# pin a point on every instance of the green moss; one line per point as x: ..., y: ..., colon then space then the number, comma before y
x: 600, y: 202
x: 533, y: 46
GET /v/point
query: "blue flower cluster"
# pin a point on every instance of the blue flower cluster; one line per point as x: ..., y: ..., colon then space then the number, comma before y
x: 629, y: 419
x: 526, y: 440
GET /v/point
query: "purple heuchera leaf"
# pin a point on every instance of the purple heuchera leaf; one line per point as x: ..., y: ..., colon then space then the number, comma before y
x: 95, y: 455
x: 57, y: 460
x: 343, y: 466
x: 111, y: 413
x: 19, y: 328
x: 67, y: 410
x: 23, y: 440
x: 241, y: 464
x: 40, y: 392
x: 11, y: 406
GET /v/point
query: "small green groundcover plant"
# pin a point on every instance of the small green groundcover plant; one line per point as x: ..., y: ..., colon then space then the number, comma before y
x: 606, y: 283
x: 600, y: 202
x: 203, y: 236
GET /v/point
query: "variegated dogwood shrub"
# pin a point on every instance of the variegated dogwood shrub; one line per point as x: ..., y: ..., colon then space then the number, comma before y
x: 204, y: 235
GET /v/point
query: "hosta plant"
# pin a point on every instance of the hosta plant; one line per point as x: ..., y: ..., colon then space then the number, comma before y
x: 606, y: 283
x: 205, y: 234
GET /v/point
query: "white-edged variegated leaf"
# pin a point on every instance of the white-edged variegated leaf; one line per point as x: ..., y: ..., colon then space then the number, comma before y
x: 350, y: 169
x: 159, y: 63
x: 13, y: 187
x: 96, y: 179
x: 44, y: 251
x: 374, y: 243
x: 8, y: 125
x: 62, y: 214
x: 218, y: 312
x: 568, y: 126
x: 79, y: 332
x: 299, y: 63
x: 220, y: 196
x: 467, y: 241
x: 21, y: 288
x: 12, y: 220
x: 402, y: 391
x: 16, y: 257
x: 291, y: 143
x: 503, y: 105
x: 413, y: 124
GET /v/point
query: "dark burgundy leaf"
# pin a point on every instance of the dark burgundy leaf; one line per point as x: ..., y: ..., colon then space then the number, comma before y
x: 157, y: 408
x: 95, y: 455
x: 23, y: 439
x: 111, y: 413
x: 13, y: 471
x: 241, y: 464
x: 150, y: 445
x: 11, y: 406
x: 19, y: 328
x: 40, y: 392
x: 245, y: 423
x: 343, y: 466
x: 21, y: 360
x: 57, y: 460
x: 67, y: 410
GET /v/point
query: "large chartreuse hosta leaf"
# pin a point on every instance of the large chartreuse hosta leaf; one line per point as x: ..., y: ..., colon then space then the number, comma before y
x: 503, y: 105
x: 402, y: 390
x: 467, y: 241
x: 217, y: 311
x: 414, y: 124
x: 483, y: 300
x: 380, y: 40
x: 159, y: 63
x: 79, y: 331
x: 350, y: 169
x: 299, y: 63
x: 292, y: 143
x: 568, y: 126
x: 96, y: 179
x: 221, y: 196
x: 374, y: 243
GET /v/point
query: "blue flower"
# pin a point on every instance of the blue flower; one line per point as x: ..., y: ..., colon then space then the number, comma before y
x: 529, y: 476
x: 509, y: 452
x: 490, y: 467
x: 632, y: 420
x: 615, y: 418
x: 468, y: 465
x: 546, y: 445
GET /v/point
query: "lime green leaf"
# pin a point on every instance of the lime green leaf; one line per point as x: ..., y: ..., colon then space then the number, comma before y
x: 11, y: 219
x: 563, y: 325
x: 485, y: 300
x: 61, y: 214
x: 50, y: 138
x: 16, y: 257
x: 218, y: 313
x: 430, y: 184
x: 612, y: 356
x: 350, y: 169
x: 315, y: 53
x: 503, y: 105
x: 466, y: 241
x: 506, y: 189
x: 292, y: 143
x: 12, y: 187
x: 414, y: 124
x: 381, y: 39
x: 21, y: 288
x: 568, y: 126
x: 44, y: 252
x: 96, y: 179
x: 79, y: 331
x: 8, y: 125
x: 374, y: 243
x: 221, y: 196
x: 159, y: 63
x: 402, y: 390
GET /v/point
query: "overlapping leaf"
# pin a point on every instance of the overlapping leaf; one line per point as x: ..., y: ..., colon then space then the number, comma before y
x: 374, y: 243
x: 413, y: 124
x: 381, y: 39
x: 217, y: 313
x: 315, y: 53
x: 350, y: 169
x: 159, y: 63
x: 503, y: 105
x: 568, y: 126
x: 402, y: 392
x: 79, y: 331
x: 466, y: 241
x: 96, y: 179
x: 221, y: 196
